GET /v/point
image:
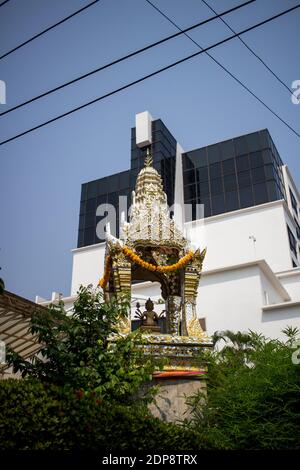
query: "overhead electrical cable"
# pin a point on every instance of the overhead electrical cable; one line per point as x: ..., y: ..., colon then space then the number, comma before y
x: 48, y: 29
x: 252, y: 51
x: 156, y: 72
x: 121, y: 59
x: 3, y: 3
x: 226, y: 69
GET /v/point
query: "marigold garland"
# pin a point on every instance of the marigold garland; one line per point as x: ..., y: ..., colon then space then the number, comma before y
x: 104, y: 280
x: 151, y: 267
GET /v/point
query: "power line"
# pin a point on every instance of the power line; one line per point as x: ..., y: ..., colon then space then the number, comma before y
x: 3, y: 3
x: 121, y: 59
x: 225, y: 69
x: 252, y: 51
x: 47, y: 29
x: 156, y: 72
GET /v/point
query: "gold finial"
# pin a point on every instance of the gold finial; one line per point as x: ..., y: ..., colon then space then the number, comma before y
x: 148, y: 159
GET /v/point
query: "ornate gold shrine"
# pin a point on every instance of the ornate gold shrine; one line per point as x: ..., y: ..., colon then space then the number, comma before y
x: 152, y: 248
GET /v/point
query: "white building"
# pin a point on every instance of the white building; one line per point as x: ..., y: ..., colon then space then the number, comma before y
x: 251, y: 273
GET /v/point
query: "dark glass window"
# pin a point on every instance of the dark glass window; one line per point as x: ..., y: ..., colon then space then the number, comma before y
x: 258, y: 174
x: 81, y: 222
x: 273, y: 191
x: 216, y: 186
x: 260, y: 193
x: 83, y: 191
x: 90, y: 205
x: 91, y: 189
x: 214, y: 153
x: 228, y: 166
x: 82, y: 207
x: 215, y: 170
x: 227, y: 149
x: 102, y: 186
x: 241, y: 145
x: 203, y: 189
x: 218, y: 204
x: 196, y: 158
x: 297, y: 229
x: 242, y: 162
x: 80, y: 238
x: 246, y: 197
x: 202, y: 174
x: 89, y: 236
x: 189, y: 176
x: 264, y: 138
x: 232, y: 201
x: 244, y: 179
x: 207, y: 209
x: 267, y: 156
x: 292, y: 240
x: 101, y: 200
x: 189, y: 191
x: 187, y: 162
x: 230, y: 183
x: 124, y: 179
x: 256, y: 159
x: 253, y: 142
x: 89, y: 219
x: 200, y: 158
x: 270, y: 171
x: 293, y: 201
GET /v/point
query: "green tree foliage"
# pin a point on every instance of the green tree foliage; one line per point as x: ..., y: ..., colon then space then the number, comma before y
x: 253, y: 394
x: 77, y: 353
x: 84, y: 392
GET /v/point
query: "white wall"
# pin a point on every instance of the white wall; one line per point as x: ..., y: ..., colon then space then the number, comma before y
x: 291, y: 281
x: 88, y: 266
x: 270, y: 295
x: 234, y: 299
x: 274, y: 320
x: 230, y: 300
x: 227, y: 237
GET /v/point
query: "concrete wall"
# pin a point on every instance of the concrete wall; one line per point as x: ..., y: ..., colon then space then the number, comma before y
x: 275, y: 319
x: 88, y: 266
x: 291, y: 281
x: 230, y: 300
x: 246, y: 298
x: 226, y: 237
x: 171, y: 400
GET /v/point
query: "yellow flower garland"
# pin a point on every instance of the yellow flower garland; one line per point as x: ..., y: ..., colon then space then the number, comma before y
x: 151, y: 267
x: 161, y: 269
x: 104, y: 280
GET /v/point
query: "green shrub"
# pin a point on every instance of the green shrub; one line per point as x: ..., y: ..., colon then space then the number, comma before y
x: 253, y: 395
x: 37, y: 416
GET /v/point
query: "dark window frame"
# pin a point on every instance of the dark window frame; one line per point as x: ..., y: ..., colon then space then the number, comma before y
x: 292, y: 241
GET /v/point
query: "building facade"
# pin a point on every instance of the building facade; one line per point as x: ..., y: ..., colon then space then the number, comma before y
x: 236, y: 198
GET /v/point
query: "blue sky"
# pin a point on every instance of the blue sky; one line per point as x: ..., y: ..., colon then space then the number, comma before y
x: 41, y: 173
